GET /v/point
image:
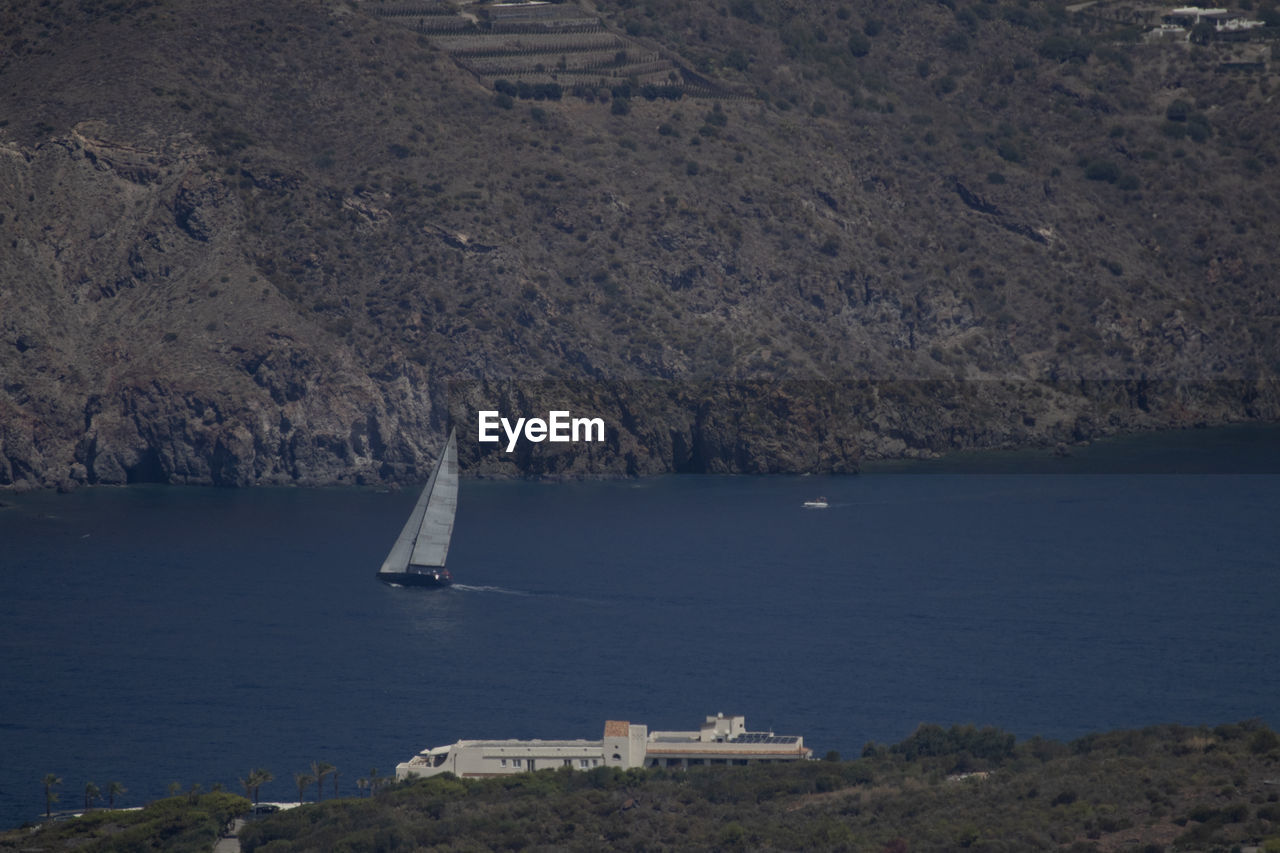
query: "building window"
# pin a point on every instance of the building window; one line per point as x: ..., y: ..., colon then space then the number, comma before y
x: 515, y: 762
x: 586, y: 762
x: 504, y: 762
x: 568, y: 762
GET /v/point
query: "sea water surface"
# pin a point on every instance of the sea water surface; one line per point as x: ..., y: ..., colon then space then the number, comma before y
x: 151, y: 635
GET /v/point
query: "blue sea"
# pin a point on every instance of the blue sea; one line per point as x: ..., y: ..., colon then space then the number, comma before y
x: 151, y: 635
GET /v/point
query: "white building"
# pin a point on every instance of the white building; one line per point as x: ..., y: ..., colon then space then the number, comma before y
x: 720, y: 740
x: 1189, y: 16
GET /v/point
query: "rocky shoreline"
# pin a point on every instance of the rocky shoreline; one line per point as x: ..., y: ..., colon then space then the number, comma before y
x: 651, y: 428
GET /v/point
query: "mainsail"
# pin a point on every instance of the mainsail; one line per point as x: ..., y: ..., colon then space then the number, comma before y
x: 424, y: 541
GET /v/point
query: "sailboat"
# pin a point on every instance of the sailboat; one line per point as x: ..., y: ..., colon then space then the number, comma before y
x: 417, y: 558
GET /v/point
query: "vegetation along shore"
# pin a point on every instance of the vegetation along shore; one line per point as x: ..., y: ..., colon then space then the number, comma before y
x: 1163, y: 788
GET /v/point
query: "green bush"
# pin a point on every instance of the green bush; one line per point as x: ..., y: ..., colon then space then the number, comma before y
x: 1202, y: 33
x: 746, y: 10
x: 1102, y: 170
x: 1060, y: 48
x: 827, y: 782
x: 732, y: 835
x: 956, y: 41
x: 1178, y: 110
x: 1021, y: 17
x: 1264, y: 741
x: 934, y: 741
x: 1009, y: 151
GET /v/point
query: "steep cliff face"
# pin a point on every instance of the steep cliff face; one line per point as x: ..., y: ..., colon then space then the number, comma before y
x: 131, y: 355
x: 290, y: 242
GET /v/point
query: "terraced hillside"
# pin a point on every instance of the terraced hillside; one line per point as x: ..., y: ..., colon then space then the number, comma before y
x: 560, y: 44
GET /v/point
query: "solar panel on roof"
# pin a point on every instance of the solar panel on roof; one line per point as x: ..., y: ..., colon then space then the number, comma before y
x: 761, y: 737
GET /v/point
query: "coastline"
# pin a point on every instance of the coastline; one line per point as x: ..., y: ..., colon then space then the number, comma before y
x: 1238, y: 448
x: 1250, y: 447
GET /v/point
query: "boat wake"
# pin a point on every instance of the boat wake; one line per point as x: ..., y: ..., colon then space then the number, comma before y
x: 523, y: 593
x: 501, y: 590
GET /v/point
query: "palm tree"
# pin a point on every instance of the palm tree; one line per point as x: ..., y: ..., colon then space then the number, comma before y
x: 302, y: 780
x: 361, y: 785
x: 335, y: 783
x: 264, y: 776
x: 114, y: 789
x: 255, y: 780
x: 50, y: 780
x: 91, y: 793
x: 321, y: 769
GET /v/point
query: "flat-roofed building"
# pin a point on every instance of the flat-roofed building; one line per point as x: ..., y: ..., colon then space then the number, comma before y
x: 720, y: 740
x: 1189, y: 16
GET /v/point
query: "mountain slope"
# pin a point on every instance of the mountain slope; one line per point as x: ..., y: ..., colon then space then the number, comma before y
x: 287, y: 242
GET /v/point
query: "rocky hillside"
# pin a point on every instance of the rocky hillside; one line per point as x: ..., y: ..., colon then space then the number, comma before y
x: 267, y: 242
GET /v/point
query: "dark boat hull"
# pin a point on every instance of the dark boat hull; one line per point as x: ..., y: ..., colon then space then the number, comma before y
x: 428, y: 577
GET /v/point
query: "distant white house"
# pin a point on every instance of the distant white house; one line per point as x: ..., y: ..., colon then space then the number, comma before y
x: 1237, y: 24
x: 1192, y: 15
x: 1178, y: 23
x: 720, y: 740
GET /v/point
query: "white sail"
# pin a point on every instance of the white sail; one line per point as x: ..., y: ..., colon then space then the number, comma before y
x: 424, y: 541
